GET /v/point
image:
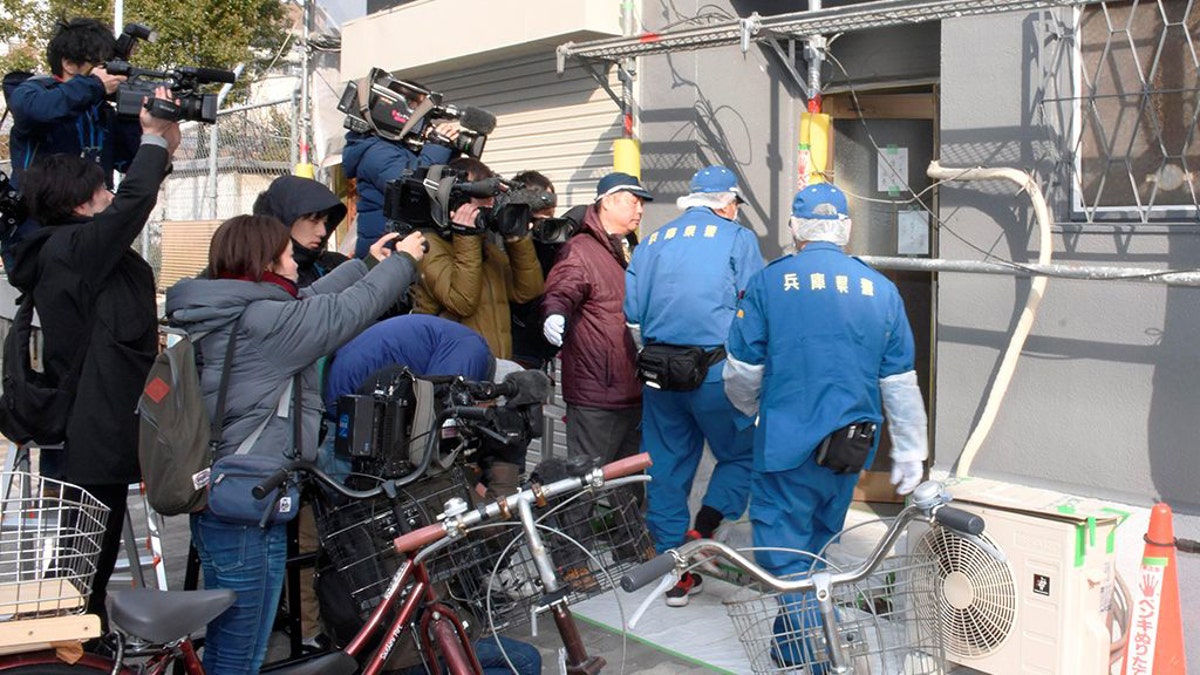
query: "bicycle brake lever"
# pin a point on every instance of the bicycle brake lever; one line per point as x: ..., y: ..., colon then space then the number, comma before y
x: 668, y: 580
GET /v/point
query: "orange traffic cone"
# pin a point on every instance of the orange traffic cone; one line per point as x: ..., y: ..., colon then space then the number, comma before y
x: 1155, y: 620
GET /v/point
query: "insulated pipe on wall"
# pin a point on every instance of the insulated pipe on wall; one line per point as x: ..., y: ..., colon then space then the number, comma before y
x: 1036, y: 290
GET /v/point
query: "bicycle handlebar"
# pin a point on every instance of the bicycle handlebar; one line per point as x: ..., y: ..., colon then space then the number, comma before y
x: 931, y: 507
x: 429, y: 534
x: 959, y: 520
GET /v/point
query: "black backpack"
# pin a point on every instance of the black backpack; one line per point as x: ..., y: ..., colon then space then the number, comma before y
x: 33, y: 407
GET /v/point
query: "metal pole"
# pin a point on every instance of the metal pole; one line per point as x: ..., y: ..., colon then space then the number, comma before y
x: 306, y: 68
x: 212, y: 146
x: 1087, y: 272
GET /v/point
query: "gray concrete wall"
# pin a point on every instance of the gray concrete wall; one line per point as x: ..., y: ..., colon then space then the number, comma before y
x: 717, y: 106
x: 1104, y: 400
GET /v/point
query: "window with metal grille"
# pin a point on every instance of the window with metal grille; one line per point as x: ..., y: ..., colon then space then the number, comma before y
x: 1138, y: 98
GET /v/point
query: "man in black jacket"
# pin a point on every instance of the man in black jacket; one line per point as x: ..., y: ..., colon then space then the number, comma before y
x: 95, y: 293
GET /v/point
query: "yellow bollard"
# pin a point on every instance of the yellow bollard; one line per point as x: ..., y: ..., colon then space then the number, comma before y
x: 304, y: 170
x: 813, y: 153
x: 627, y: 157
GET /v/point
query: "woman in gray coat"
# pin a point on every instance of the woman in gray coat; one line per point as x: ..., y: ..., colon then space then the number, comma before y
x: 282, y: 331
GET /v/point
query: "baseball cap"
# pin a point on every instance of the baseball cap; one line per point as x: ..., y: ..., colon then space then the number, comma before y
x: 617, y: 181
x: 821, y: 201
x: 716, y: 178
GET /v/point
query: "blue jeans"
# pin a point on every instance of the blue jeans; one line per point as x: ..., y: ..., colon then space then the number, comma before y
x: 250, y: 561
x: 525, y: 657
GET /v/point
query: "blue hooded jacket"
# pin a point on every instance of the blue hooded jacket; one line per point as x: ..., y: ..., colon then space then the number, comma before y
x: 374, y: 161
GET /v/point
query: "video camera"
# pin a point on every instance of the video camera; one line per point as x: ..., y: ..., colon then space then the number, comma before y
x: 423, y: 198
x: 406, y: 112
x: 184, y: 82
x: 12, y: 207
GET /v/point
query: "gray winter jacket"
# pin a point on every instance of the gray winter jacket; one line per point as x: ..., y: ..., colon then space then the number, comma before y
x: 279, y: 337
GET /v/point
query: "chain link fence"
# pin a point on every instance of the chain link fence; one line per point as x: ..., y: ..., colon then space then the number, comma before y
x: 218, y: 172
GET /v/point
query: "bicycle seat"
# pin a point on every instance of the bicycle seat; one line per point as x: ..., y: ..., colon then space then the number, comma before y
x: 164, y: 616
x: 337, y: 663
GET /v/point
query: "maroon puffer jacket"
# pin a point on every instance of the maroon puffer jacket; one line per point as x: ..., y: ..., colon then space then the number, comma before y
x: 587, y: 286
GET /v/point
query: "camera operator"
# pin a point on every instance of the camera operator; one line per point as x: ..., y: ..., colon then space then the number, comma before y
x: 95, y: 297
x: 530, y: 348
x: 470, y: 275
x: 373, y: 161
x: 67, y: 112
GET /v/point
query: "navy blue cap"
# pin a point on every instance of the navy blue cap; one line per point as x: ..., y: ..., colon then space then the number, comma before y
x: 715, y: 178
x: 821, y: 201
x: 617, y: 181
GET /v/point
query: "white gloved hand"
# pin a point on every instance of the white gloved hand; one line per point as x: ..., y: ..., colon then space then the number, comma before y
x: 553, y: 329
x: 906, y: 476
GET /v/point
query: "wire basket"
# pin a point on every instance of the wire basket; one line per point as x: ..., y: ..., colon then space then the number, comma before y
x: 593, y: 538
x: 50, y: 536
x: 357, y: 536
x: 887, y: 624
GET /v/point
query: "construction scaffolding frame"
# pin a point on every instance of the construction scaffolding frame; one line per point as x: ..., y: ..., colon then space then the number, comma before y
x: 812, y: 26
x: 825, y: 21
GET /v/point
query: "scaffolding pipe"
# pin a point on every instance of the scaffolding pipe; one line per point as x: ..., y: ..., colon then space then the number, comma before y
x: 1086, y: 272
x: 1037, y: 289
x: 212, y: 144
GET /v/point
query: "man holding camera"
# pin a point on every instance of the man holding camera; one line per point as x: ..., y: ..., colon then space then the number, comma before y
x: 67, y: 112
x: 95, y: 297
x: 373, y: 161
x: 470, y: 273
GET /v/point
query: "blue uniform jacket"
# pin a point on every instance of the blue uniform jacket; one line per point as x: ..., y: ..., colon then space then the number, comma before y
x: 51, y: 116
x: 375, y: 161
x: 827, y: 328
x: 427, y: 345
x: 683, y: 282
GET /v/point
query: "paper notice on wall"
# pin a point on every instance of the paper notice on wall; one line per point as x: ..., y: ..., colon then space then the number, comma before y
x: 892, y: 170
x: 912, y: 232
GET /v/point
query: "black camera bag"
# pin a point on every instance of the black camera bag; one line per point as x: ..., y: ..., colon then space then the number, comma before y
x: 675, y: 367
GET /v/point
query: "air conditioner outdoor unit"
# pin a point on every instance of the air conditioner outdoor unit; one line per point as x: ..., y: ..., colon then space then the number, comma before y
x: 1043, y: 610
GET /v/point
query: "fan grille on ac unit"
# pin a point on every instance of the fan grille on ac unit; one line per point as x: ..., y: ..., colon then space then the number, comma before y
x: 978, y: 603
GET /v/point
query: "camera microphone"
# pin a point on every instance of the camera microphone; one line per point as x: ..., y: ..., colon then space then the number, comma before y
x: 488, y: 187
x: 525, y: 387
x: 477, y: 120
x: 211, y: 74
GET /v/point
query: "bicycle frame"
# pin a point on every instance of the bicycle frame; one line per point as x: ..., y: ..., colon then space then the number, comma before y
x: 437, y: 619
x: 928, y: 503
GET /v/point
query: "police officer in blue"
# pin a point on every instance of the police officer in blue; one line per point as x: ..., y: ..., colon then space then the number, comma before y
x: 820, y: 349
x: 681, y: 290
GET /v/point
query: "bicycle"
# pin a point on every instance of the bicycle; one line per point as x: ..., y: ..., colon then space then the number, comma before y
x: 878, y: 617
x: 410, y: 599
x: 50, y: 534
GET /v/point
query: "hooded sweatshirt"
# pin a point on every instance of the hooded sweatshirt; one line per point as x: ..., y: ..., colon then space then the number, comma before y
x: 290, y: 197
x: 279, y: 336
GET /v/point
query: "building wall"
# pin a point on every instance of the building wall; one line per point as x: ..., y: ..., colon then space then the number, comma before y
x: 1104, y: 398
x: 716, y: 106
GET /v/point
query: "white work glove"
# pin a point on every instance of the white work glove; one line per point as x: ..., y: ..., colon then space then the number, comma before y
x: 553, y: 329
x: 906, y: 476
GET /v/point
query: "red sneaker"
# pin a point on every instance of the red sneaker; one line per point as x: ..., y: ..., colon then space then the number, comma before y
x: 689, y: 585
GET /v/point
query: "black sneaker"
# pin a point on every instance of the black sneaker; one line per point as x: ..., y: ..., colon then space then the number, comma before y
x: 689, y: 584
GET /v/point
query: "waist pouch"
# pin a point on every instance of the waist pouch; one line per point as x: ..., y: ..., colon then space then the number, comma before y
x: 846, y: 450
x: 675, y: 367
x: 229, y: 491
